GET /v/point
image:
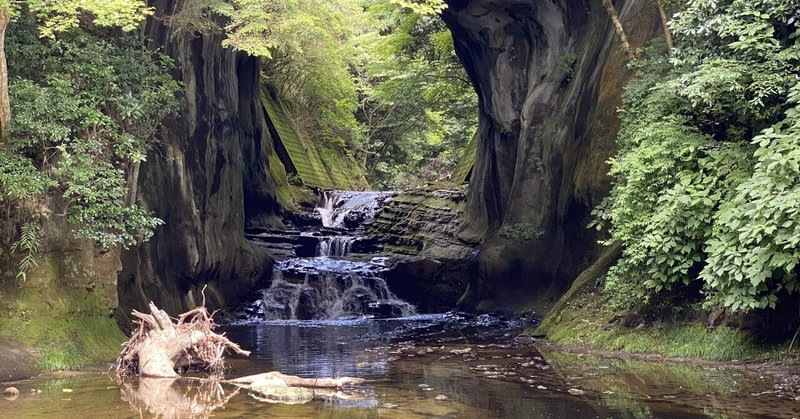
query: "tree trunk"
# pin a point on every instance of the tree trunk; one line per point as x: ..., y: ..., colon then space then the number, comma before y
x: 133, y: 183
x: 612, y: 13
x: 5, y: 105
x: 664, y: 23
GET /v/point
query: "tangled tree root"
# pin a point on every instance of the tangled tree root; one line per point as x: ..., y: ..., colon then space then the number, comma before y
x: 160, y: 347
x: 175, y: 397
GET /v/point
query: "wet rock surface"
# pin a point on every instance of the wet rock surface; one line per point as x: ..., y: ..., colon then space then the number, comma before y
x: 325, y: 288
x: 406, y: 239
x: 456, y: 326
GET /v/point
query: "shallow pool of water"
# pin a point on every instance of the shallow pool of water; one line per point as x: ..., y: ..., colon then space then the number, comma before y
x: 425, y: 367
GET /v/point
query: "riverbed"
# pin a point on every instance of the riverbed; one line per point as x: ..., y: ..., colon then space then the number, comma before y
x: 435, y: 366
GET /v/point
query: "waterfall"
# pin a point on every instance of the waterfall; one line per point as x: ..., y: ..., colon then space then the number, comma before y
x: 338, y: 246
x: 321, y: 288
x: 328, y: 285
x: 337, y: 206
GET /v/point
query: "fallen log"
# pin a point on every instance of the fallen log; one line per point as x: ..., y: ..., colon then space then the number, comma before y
x: 277, y: 379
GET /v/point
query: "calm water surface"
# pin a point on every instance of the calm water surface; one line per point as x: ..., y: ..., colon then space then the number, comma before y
x: 418, y: 368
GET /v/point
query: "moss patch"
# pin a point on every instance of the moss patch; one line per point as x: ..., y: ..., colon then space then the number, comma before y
x: 315, y: 162
x: 586, y: 321
x: 73, y: 343
x: 466, y: 161
x: 68, y: 332
x: 63, y: 311
x: 521, y: 232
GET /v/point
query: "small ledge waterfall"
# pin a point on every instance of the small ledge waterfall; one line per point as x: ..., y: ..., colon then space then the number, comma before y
x: 328, y: 285
x: 347, y: 209
x: 334, y: 246
x: 326, y: 288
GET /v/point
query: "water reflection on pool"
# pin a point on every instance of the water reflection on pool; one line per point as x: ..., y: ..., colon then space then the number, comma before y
x: 417, y: 368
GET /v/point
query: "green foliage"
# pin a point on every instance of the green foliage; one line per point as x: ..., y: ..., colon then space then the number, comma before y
x: 706, y: 180
x: 63, y: 15
x: 307, y: 46
x: 28, y: 244
x: 421, y: 7
x: 84, y: 112
x: 589, y: 321
x: 377, y: 77
x: 418, y: 108
x: 520, y: 232
x: 567, y: 62
x: 755, y: 248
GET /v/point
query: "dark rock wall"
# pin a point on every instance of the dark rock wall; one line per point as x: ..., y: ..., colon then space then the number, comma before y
x: 428, y: 262
x: 209, y: 178
x: 549, y: 76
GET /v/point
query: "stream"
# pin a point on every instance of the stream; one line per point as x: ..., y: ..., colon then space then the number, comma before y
x: 421, y: 367
x: 329, y: 313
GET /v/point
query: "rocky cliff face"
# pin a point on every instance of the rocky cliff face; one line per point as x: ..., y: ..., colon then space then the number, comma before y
x: 428, y: 264
x: 549, y: 75
x: 208, y: 180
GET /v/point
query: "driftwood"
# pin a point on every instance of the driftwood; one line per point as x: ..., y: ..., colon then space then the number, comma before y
x: 276, y: 378
x: 190, y: 397
x: 162, y: 347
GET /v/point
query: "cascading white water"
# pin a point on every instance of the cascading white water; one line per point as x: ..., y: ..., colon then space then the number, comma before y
x: 338, y: 246
x: 336, y: 205
x: 328, y: 286
x: 330, y: 289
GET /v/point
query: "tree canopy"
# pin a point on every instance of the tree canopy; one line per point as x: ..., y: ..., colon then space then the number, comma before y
x: 377, y: 77
x: 84, y: 107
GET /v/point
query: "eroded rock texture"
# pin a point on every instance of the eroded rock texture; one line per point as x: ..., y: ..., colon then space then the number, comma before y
x: 428, y: 264
x: 549, y: 75
x: 208, y: 179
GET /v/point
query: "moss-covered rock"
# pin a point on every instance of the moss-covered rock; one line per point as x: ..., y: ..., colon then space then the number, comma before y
x: 588, y: 322
x: 466, y: 161
x: 64, y: 309
x: 417, y: 228
x: 315, y: 163
x: 582, y: 318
